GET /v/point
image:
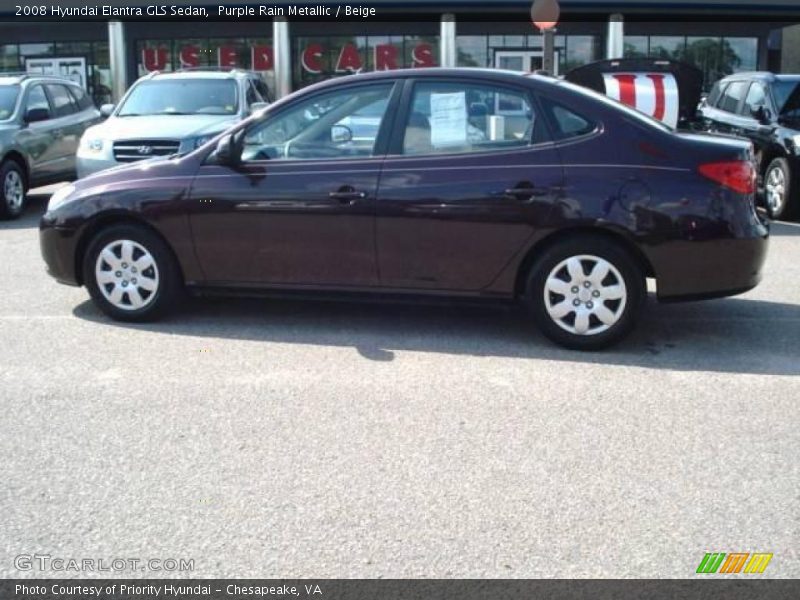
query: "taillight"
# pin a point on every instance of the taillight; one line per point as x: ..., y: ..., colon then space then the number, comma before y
x: 737, y: 175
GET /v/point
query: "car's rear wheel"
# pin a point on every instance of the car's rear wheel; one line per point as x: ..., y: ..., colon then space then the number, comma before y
x: 586, y: 292
x: 131, y: 274
x: 778, y: 190
x: 14, y: 190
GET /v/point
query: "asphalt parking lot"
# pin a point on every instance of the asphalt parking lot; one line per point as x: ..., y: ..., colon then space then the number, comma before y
x: 290, y: 439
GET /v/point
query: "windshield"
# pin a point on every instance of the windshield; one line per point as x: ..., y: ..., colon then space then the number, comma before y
x: 786, y: 97
x: 8, y: 100
x: 182, y: 97
x: 632, y: 112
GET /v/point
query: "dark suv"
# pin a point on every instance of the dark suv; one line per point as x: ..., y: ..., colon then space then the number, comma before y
x: 42, y: 118
x: 765, y: 108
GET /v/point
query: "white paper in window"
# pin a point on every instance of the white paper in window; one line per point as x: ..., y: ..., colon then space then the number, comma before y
x: 448, y: 119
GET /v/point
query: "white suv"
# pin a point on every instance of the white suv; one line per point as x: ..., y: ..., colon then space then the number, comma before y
x: 169, y: 113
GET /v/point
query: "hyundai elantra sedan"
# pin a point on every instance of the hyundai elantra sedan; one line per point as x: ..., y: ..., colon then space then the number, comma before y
x: 460, y: 183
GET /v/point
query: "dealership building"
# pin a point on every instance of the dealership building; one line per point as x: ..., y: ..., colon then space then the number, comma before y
x: 106, y: 56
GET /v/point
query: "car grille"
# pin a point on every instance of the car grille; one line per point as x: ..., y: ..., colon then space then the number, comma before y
x: 133, y: 150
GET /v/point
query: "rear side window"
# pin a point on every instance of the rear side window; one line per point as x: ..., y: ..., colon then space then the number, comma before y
x: 63, y: 104
x: 567, y: 123
x: 81, y: 98
x: 732, y: 95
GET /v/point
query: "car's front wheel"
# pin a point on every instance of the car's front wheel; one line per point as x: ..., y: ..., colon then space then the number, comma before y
x: 131, y: 274
x: 13, y: 182
x: 586, y: 292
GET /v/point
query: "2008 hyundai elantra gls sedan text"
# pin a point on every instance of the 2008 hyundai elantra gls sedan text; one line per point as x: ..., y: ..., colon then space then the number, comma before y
x: 461, y: 183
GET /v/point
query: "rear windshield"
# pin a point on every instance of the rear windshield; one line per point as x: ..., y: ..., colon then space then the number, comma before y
x: 8, y: 100
x: 783, y: 92
x: 182, y: 97
x: 631, y: 112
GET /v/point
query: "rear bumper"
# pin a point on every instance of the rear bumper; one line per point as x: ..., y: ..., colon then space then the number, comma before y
x: 58, y: 246
x: 695, y: 270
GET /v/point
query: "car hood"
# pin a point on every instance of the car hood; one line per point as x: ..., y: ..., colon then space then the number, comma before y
x: 153, y: 168
x: 177, y: 127
x: 680, y: 104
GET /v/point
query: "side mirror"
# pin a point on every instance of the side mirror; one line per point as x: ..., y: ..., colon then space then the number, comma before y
x: 341, y: 134
x: 227, y: 152
x: 107, y: 109
x: 257, y: 106
x: 32, y: 115
x: 762, y: 115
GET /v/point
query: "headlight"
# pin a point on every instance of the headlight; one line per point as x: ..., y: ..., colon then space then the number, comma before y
x: 60, y: 197
x: 92, y: 145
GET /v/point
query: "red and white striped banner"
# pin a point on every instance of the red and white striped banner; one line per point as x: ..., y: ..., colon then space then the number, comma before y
x: 655, y: 94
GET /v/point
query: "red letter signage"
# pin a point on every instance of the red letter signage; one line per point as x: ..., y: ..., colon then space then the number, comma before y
x: 312, y: 58
x: 154, y: 59
x: 385, y: 57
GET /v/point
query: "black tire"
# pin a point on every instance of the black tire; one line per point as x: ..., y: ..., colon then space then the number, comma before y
x: 789, y: 207
x: 167, y: 292
x: 625, y: 313
x: 12, y: 208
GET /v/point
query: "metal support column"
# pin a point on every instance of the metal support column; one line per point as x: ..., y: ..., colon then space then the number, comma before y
x: 447, y: 37
x: 117, y: 59
x: 615, y: 44
x: 283, y: 57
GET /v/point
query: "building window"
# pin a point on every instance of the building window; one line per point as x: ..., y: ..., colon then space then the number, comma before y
x: 716, y: 57
x: 571, y: 50
x: 84, y: 62
x: 636, y: 46
x: 321, y: 57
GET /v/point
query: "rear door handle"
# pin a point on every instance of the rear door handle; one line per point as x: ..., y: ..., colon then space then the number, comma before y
x: 524, y: 193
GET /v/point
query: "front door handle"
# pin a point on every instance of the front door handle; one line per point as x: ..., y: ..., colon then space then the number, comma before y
x: 347, y: 196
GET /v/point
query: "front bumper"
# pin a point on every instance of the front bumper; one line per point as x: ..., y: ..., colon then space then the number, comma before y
x: 58, y: 245
x: 86, y: 165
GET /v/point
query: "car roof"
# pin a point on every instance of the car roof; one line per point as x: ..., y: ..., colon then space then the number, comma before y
x: 760, y: 75
x: 18, y: 78
x: 203, y: 73
x: 498, y: 75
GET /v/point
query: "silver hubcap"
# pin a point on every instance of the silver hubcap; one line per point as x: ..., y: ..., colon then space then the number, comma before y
x: 13, y: 190
x: 776, y: 189
x: 585, y: 295
x: 127, y: 275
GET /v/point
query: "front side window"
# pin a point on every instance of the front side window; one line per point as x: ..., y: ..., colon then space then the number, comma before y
x: 341, y: 124
x: 459, y: 117
x: 37, y: 101
x: 182, y: 97
x: 732, y: 95
x: 62, y: 101
x: 8, y: 100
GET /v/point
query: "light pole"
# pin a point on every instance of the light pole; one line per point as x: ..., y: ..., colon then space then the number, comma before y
x: 544, y: 15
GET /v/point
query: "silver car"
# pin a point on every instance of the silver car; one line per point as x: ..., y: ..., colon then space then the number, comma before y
x: 168, y: 113
x: 42, y: 119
